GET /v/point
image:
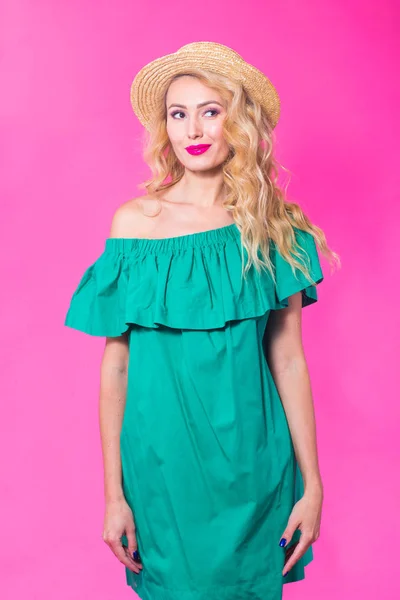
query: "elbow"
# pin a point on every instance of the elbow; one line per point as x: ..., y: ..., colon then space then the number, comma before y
x: 116, y: 355
x: 289, y: 364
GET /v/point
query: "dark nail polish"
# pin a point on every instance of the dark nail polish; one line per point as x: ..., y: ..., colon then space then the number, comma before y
x: 282, y: 542
x: 286, y: 573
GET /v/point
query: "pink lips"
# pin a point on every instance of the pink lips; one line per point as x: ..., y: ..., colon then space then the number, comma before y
x: 198, y: 149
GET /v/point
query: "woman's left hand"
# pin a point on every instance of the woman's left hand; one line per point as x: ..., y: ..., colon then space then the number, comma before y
x: 306, y: 516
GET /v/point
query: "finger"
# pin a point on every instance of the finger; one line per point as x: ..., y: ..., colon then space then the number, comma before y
x: 297, y: 553
x: 289, y: 551
x: 288, y: 533
x: 132, y: 560
x: 119, y: 551
x: 129, y: 556
x: 133, y: 547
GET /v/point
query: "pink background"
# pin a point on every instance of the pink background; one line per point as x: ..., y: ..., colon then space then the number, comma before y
x: 70, y: 154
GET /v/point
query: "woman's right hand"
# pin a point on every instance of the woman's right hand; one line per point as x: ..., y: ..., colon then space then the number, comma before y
x: 118, y: 521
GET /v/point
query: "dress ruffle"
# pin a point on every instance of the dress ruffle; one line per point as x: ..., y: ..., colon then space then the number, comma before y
x: 186, y: 282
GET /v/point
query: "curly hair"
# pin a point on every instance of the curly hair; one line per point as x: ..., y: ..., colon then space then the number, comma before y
x: 250, y: 177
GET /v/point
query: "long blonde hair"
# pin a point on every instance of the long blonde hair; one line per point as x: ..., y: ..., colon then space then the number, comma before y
x: 250, y: 175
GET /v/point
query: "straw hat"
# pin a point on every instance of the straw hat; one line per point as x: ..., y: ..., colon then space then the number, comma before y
x: 148, y: 86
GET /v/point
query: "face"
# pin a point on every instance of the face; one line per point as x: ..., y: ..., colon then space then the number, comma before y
x: 195, y: 114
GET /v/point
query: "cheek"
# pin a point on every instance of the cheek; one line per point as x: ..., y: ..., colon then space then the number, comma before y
x: 174, y: 132
x: 215, y: 132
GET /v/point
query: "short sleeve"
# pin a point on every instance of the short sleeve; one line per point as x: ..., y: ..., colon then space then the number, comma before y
x: 289, y: 283
x: 97, y: 306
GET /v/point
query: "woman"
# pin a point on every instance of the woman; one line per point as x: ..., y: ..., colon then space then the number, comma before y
x: 212, y: 484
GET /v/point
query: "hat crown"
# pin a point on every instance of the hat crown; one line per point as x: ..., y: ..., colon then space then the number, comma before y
x: 208, y: 46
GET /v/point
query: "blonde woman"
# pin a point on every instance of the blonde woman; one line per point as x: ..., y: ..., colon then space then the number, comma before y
x: 212, y: 484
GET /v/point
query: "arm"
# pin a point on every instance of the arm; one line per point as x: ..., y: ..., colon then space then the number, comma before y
x: 285, y: 357
x: 119, y: 519
x: 113, y: 380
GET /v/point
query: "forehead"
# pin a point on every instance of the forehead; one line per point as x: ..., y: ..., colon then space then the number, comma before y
x: 190, y: 90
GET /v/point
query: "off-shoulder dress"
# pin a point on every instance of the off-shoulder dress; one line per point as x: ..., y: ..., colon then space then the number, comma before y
x: 208, y: 463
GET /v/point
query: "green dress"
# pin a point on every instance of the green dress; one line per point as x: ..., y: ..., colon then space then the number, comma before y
x: 208, y: 464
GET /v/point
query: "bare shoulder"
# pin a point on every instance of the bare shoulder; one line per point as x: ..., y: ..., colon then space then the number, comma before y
x: 131, y: 218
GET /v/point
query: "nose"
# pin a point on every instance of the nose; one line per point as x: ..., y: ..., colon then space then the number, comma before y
x: 194, y: 129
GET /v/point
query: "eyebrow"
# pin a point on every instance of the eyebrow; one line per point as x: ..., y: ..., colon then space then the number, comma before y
x: 198, y: 106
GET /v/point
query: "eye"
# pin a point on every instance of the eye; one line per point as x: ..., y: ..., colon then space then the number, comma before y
x: 212, y: 110
x: 177, y: 112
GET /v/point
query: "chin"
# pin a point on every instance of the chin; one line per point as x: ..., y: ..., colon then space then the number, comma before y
x: 204, y: 167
